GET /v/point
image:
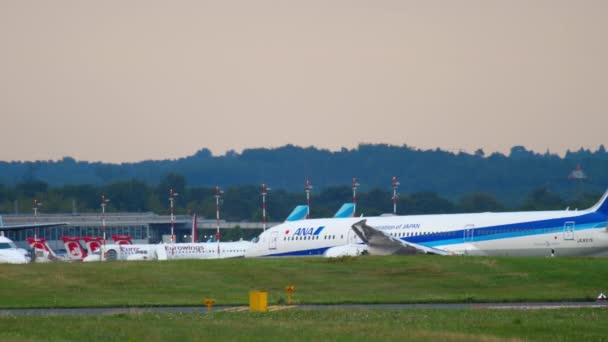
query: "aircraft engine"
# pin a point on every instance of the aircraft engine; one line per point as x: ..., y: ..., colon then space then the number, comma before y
x: 346, y: 250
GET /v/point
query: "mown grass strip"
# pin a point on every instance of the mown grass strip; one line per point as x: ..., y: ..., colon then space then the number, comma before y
x: 335, y: 325
x: 394, y: 279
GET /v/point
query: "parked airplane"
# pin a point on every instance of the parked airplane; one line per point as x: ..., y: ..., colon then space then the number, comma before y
x: 9, y: 253
x: 205, y: 250
x: 131, y: 252
x: 122, y: 249
x: 541, y: 233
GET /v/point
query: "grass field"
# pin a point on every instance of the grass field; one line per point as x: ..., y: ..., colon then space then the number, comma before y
x: 356, y: 325
x: 350, y: 280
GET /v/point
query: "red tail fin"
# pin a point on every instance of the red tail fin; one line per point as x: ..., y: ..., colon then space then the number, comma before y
x: 40, y: 247
x: 93, y: 243
x: 73, y: 247
x: 122, y: 239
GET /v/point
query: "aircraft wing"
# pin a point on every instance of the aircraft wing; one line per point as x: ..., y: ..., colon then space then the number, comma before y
x: 15, y: 227
x: 381, y: 243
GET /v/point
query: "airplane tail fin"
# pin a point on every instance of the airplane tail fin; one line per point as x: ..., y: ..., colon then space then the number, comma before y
x: 298, y: 213
x: 93, y: 243
x: 122, y: 239
x: 73, y: 248
x: 41, y: 249
x: 602, y: 205
x: 346, y: 210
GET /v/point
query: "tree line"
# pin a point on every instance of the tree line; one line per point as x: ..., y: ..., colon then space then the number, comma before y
x: 453, y: 174
x: 243, y: 202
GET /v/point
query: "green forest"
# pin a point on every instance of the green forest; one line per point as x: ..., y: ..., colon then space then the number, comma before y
x: 509, y: 177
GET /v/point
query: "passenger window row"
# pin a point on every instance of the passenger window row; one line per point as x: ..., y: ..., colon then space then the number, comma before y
x: 313, y: 237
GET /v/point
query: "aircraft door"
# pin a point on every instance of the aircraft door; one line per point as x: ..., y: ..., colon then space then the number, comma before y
x: 351, y: 237
x: 569, y: 230
x: 272, y: 243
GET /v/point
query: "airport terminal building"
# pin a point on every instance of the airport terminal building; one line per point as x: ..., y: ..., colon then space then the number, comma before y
x: 142, y: 227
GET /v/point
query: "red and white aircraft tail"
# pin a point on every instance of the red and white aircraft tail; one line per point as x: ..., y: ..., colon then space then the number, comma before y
x: 42, y: 251
x: 93, y: 243
x: 73, y: 248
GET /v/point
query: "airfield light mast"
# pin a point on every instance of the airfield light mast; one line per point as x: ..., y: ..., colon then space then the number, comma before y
x: 36, y: 206
x: 395, y: 186
x: 355, y: 186
x: 104, y: 202
x: 307, y: 189
x: 265, y: 190
x: 218, y: 235
x: 172, y: 196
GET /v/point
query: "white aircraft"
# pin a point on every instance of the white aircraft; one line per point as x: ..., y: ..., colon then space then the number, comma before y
x: 205, y: 250
x: 566, y: 232
x: 122, y: 249
x: 9, y: 253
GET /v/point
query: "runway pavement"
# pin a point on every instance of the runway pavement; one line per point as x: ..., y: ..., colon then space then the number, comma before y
x: 219, y: 308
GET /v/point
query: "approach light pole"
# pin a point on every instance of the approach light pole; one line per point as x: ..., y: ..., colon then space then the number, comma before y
x: 218, y: 235
x: 395, y: 186
x: 104, y: 202
x: 35, y: 208
x: 264, y: 193
x: 172, y: 196
x: 307, y: 189
x: 355, y: 186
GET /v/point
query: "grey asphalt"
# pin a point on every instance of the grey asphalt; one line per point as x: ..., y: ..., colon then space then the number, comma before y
x: 191, y: 309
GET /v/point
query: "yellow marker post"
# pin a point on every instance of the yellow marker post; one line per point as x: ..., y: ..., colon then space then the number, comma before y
x: 289, y: 289
x: 258, y: 301
x: 209, y: 303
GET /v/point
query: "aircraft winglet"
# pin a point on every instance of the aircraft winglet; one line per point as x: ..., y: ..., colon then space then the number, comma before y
x: 381, y: 243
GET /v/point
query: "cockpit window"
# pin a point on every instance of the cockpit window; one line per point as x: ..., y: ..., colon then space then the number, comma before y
x: 256, y: 239
x: 6, y: 245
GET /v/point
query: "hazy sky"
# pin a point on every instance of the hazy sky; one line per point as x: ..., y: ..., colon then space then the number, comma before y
x: 133, y: 80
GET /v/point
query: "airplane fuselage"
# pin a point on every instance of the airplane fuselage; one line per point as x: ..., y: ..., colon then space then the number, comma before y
x: 199, y: 250
x: 515, y: 233
x: 10, y: 254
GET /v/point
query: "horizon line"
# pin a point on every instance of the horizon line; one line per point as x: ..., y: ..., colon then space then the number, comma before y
x: 451, y: 150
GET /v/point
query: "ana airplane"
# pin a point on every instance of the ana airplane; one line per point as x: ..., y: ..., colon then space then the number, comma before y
x: 9, y: 253
x: 541, y: 233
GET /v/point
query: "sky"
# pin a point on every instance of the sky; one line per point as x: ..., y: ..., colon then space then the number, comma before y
x: 126, y: 80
